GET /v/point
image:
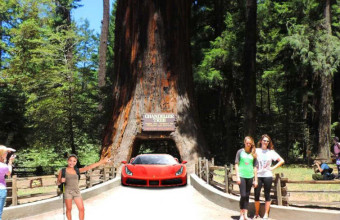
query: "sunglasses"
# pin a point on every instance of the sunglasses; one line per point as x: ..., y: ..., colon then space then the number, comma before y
x: 265, y: 141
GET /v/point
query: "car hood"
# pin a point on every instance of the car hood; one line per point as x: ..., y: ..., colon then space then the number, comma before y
x: 154, y: 170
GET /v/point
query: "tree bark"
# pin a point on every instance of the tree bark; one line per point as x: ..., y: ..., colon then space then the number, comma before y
x: 152, y: 73
x: 325, y: 108
x: 336, y: 95
x: 249, y: 89
x: 325, y: 117
x: 103, y: 43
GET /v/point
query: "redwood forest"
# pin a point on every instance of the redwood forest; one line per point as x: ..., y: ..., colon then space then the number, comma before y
x: 225, y: 68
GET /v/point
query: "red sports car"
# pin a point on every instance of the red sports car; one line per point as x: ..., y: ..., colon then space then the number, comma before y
x: 154, y: 170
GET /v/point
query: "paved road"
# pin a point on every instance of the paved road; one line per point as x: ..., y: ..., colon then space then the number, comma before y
x: 147, y: 204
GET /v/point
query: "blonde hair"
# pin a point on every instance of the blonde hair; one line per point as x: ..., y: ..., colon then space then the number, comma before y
x: 2, y: 152
x: 252, y: 150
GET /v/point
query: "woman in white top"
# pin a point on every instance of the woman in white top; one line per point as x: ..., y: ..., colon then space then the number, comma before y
x: 265, y: 155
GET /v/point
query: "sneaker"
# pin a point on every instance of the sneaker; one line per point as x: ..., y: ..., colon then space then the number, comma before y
x: 256, y: 217
x: 241, y: 217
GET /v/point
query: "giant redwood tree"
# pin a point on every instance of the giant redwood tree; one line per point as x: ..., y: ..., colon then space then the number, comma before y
x: 152, y: 74
x: 325, y: 107
x: 249, y: 89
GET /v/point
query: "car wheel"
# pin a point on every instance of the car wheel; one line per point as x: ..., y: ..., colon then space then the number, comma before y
x: 186, y: 183
x: 121, y: 181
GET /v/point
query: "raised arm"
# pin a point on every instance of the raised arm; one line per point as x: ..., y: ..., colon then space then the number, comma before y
x: 94, y: 165
x: 10, y: 162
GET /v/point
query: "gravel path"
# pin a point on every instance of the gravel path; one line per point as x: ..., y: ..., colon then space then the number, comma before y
x: 147, y: 204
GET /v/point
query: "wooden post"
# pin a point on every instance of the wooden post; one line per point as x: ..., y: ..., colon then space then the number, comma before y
x: 89, y: 179
x: 104, y: 174
x: 212, y: 161
x: 278, y: 189
x: 231, y: 171
x: 200, y: 168
x: 14, y: 190
x: 113, y: 172
x: 207, y: 170
x: 226, y: 179
x: 196, y: 169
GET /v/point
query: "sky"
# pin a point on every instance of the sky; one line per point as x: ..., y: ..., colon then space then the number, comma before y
x: 91, y: 10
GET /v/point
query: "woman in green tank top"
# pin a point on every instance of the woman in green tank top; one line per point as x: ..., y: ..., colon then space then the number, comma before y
x: 246, y: 173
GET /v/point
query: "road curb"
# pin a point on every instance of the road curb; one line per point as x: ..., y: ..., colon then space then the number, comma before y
x: 39, y: 207
x: 277, y: 212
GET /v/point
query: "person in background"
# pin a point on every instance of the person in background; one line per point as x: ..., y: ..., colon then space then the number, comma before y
x: 336, y: 151
x: 324, y: 169
x: 5, y: 169
x: 71, y: 180
x: 246, y: 173
x: 265, y: 155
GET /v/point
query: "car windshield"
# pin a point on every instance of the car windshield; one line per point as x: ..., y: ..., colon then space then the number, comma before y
x: 155, y: 159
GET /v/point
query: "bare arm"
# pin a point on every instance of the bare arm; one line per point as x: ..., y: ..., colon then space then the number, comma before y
x: 255, y: 177
x: 94, y: 165
x: 59, y: 178
x: 280, y: 163
x: 238, y: 180
x: 319, y: 168
x: 10, y: 162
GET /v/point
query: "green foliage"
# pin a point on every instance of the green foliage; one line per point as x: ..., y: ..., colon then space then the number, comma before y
x: 292, y: 49
x: 50, y: 87
x: 39, y: 157
x: 315, y: 48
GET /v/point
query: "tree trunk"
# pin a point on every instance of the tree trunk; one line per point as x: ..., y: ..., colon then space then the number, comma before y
x: 103, y: 43
x: 336, y: 95
x: 249, y: 69
x: 325, y: 117
x: 325, y: 108
x: 152, y: 73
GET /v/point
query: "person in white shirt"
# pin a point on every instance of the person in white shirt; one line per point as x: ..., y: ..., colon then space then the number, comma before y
x: 265, y: 155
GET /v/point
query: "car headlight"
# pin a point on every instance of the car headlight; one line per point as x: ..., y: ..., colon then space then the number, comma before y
x: 180, y: 171
x: 127, y: 171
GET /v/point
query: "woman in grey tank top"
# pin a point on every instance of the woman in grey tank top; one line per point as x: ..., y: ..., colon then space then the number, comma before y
x: 71, y: 180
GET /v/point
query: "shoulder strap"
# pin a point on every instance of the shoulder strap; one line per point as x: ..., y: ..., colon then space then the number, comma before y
x: 77, y: 171
x: 63, y: 173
